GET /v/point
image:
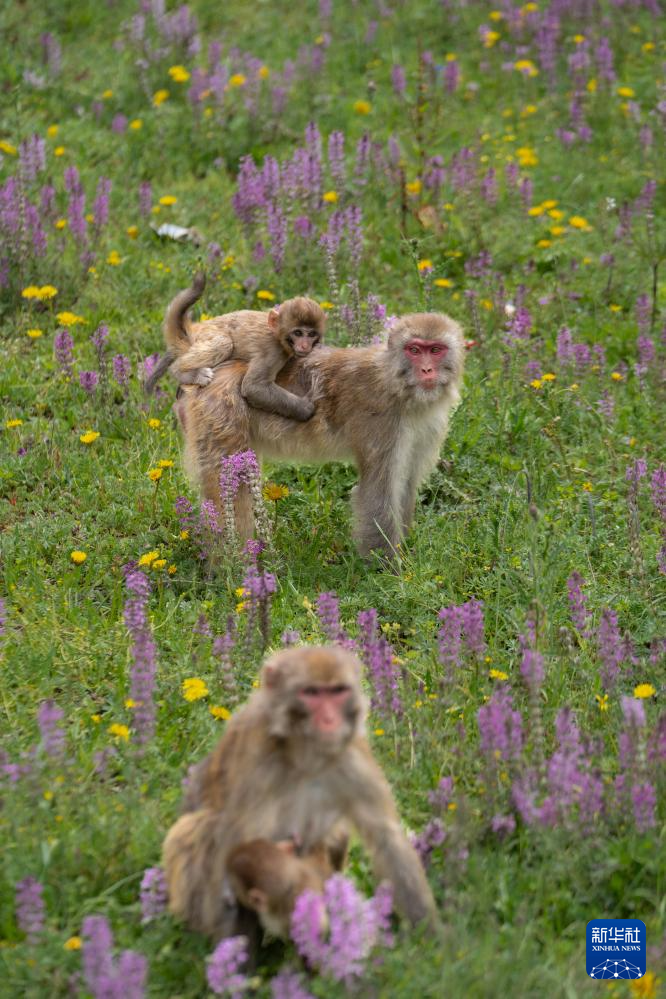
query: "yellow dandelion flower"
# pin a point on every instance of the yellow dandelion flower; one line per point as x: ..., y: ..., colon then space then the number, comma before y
x: 443, y: 283
x: 535, y: 210
x: 536, y: 383
x: 626, y: 92
x: 526, y: 66
x: 159, y: 97
x: 59, y: 151
x: 60, y: 223
x: 273, y: 492
x: 154, y: 423
x: 526, y: 156
x: 528, y: 110
x: 114, y: 258
x: 647, y: 46
x: 362, y: 107
x: 264, y: 72
x: 172, y: 570
x: 496, y: 15
x: 491, y: 38
x: 148, y: 558
x: 228, y: 262
x: 168, y: 199
x: 424, y: 265
x: 35, y: 334
x: 132, y: 231
x: 379, y: 731
x: 578, y: 39
x: 414, y: 187
x: 644, y: 690
x: 557, y: 230
x: 96, y: 719
x: 498, y: 674
x: 330, y: 197
x: 555, y: 214
x: 179, y: 74
x: 136, y: 124
x: 646, y: 987
x: 184, y: 535
x: 69, y: 318
x: 486, y: 304
x: 165, y: 463
x: 107, y: 94
x: 89, y: 437
x: 74, y: 943
x: 130, y: 702
x: 218, y: 712
x: 265, y: 295
x: 548, y: 377
x: 591, y: 86
x: 193, y: 689
x: 574, y: 387
x: 8, y: 148
x: 588, y: 487
x: 10, y: 424
x: 543, y: 244
x: 617, y: 376
x: 327, y: 305
x: 602, y: 701
x: 119, y: 731
x: 32, y: 291
x: 237, y: 80
x: 78, y: 557
x: 578, y: 222
x: 155, y: 474
x: 159, y: 563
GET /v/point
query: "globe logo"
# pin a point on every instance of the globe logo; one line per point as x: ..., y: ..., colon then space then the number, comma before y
x: 616, y: 949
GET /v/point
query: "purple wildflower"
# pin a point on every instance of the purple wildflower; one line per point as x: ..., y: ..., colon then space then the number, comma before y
x: 143, y: 668
x: 106, y: 979
x: 101, y: 202
x: 500, y: 727
x: 377, y: 654
x: 63, y: 345
x: 88, y: 381
x: 328, y: 612
x: 223, y: 972
x: 398, y: 80
x: 49, y: 718
x: 145, y: 198
x: 30, y: 908
x: 287, y: 985
x: 471, y: 614
x: 450, y: 638
x: 609, y: 648
x: 153, y: 894
x: 644, y: 801
x: 578, y: 602
x: 121, y: 369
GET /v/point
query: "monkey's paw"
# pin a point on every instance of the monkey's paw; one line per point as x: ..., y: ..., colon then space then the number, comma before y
x: 203, y: 376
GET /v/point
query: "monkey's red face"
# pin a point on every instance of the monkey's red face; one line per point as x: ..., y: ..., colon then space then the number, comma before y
x: 426, y: 358
x: 328, y: 708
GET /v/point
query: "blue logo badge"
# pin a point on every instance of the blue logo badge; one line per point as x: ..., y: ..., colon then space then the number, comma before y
x: 616, y: 948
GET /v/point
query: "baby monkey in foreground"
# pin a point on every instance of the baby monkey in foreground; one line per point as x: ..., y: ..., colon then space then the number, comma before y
x: 268, y: 877
x: 264, y: 340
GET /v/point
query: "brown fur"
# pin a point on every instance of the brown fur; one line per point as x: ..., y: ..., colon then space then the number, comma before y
x: 370, y: 410
x: 273, y: 777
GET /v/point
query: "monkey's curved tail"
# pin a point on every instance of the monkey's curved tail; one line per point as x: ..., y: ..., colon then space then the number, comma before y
x: 176, y: 334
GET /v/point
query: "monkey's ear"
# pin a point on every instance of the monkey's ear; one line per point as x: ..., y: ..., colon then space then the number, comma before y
x: 257, y: 900
x: 273, y: 317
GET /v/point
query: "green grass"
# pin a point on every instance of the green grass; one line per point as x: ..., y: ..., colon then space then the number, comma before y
x: 530, y: 487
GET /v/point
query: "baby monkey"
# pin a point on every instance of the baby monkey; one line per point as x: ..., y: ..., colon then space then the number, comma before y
x: 264, y: 340
x: 268, y: 877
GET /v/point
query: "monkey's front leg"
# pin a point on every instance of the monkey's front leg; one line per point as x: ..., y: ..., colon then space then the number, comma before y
x: 376, y: 520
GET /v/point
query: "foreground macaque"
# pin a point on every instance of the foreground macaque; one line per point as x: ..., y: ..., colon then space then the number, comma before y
x: 386, y: 408
x: 293, y: 763
x: 265, y: 340
x: 268, y: 877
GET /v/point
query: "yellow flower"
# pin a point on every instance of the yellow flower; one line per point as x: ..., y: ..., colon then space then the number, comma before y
x: 424, y: 265
x: 241, y: 606
x: 179, y: 74
x: 555, y: 213
x: 272, y: 491
x: 588, y: 487
x: 136, y: 124
x: 69, y: 318
x: 646, y: 987
x: 362, y: 107
x: 626, y: 92
x: 544, y: 243
x: 602, y: 701
x: 78, y: 557
x: 496, y: 15
x: 237, y: 80
x: 536, y: 383
x: 184, y: 535
x: 218, y: 712
x: 526, y: 156
x: 74, y: 943
x: 591, y: 86
x: 498, y: 674
x: 644, y: 690
x: 264, y: 72
x: 578, y: 39
x: 120, y: 731
x: 165, y: 463
x: 154, y: 423
x: 526, y: 66
x: 414, y: 187
x: 548, y: 377
x: 60, y: 223
x: 107, y: 94
x: 557, y: 230
x: 168, y: 199
x: 148, y: 558
x: 194, y: 689
x: 330, y: 197
x: 490, y: 38
x: 159, y: 563
x: 617, y: 376
x: 132, y: 231
x: 443, y: 283
x: 89, y: 437
x: 240, y: 591
x: 379, y: 731
x: 130, y: 703
x: 327, y: 305
x: 114, y: 258
x: 7, y: 147
x: 42, y: 294
x: 265, y: 296
x: 172, y: 570
x: 648, y: 46
x: 59, y: 151
x: 615, y: 308
x: 35, y: 334
x: 578, y: 222
x: 155, y: 474
x: 10, y: 424
x: 574, y: 387
x: 535, y: 210
x: 159, y: 97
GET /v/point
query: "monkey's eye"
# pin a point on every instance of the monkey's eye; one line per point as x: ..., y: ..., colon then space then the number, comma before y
x: 436, y: 349
x: 340, y: 689
x: 310, y: 691
x: 414, y: 350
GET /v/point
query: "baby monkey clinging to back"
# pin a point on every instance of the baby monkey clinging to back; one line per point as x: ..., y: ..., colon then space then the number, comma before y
x: 265, y: 340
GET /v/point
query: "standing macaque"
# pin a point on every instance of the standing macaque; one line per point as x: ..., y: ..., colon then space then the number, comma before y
x: 293, y: 762
x: 264, y: 340
x: 268, y: 877
x: 386, y: 408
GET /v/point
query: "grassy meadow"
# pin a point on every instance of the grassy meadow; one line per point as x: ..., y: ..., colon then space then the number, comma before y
x: 503, y: 164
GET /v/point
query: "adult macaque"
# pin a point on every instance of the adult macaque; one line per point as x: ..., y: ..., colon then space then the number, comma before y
x: 293, y: 763
x: 265, y: 340
x: 386, y: 408
x: 268, y: 877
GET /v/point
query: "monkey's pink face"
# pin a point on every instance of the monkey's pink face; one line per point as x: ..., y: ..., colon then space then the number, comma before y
x: 302, y: 341
x: 426, y: 358
x: 328, y: 708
